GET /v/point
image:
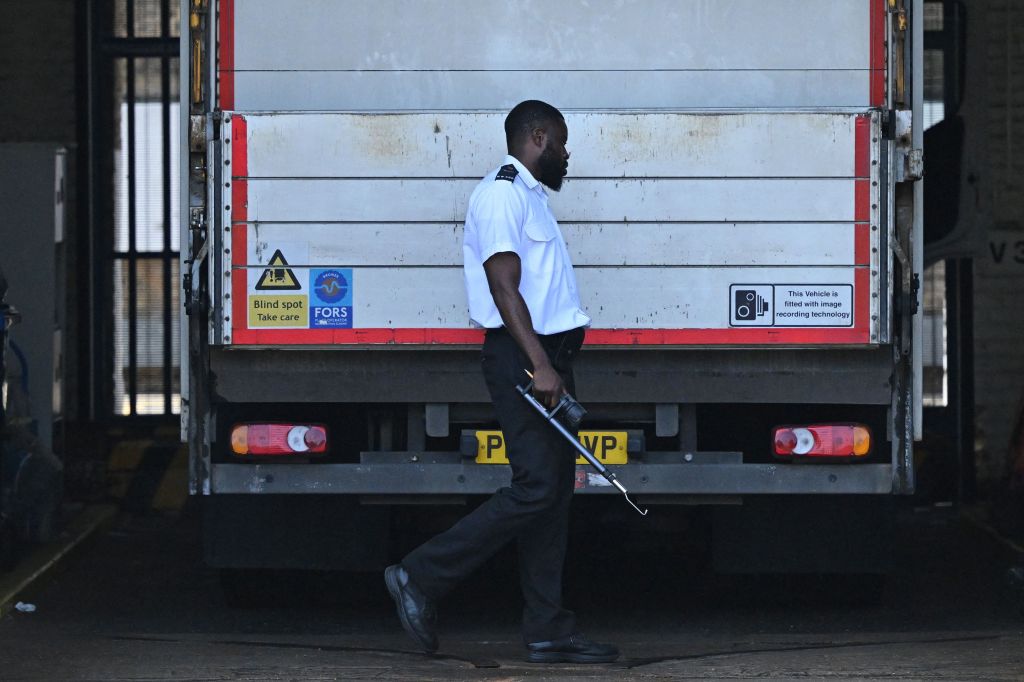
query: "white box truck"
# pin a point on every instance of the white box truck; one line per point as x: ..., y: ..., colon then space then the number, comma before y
x: 743, y: 215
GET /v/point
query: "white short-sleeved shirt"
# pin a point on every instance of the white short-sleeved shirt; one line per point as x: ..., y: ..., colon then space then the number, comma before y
x: 508, y: 211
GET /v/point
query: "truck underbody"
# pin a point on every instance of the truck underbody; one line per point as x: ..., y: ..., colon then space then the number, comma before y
x: 789, y: 176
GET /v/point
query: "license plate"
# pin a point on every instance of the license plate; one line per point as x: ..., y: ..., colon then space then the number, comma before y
x: 608, y: 446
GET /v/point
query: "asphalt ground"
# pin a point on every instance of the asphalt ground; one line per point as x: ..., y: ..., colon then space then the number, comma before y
x: 135, y: 602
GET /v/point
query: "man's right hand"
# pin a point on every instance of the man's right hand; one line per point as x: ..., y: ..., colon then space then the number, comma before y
x: 548, y: 386
x: 503, y: 271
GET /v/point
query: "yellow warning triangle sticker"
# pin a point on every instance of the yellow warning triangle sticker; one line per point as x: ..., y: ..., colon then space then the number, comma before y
x: 278, y: 276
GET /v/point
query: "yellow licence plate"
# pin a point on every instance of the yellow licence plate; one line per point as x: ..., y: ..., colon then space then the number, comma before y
x: 608, y: 446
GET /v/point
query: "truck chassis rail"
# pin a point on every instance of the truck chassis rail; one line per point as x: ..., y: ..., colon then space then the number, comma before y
x: 468, y: 478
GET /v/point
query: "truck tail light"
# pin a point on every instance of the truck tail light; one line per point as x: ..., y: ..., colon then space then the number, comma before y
x: 278, y: 439
x: 822, y: 440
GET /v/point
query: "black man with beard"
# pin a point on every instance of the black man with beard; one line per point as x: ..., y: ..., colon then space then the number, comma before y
x: 522, y: 291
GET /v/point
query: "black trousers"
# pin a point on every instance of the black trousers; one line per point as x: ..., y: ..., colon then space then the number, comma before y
x: 533, y: 510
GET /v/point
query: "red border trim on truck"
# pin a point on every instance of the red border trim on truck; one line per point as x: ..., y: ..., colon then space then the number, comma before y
x: 595, y: 337
x: 859, y: 334
x: 226, y: 55
x: 877, y: 46
x: 862, y: 193
x: 239, y: 214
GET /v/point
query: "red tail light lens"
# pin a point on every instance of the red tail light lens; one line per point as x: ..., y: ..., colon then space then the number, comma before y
x: 278, y: 439
x: 822, y: 440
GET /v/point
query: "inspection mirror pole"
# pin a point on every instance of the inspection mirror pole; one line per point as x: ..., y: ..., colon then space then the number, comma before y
x: 594, y: 462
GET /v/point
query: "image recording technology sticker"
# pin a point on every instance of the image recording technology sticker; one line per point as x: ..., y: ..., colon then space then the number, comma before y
x: 751, y: 305
x: 791, y: 305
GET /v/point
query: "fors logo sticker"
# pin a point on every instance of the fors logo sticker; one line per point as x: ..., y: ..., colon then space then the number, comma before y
x: 330, y: 286
x: 331, y: 299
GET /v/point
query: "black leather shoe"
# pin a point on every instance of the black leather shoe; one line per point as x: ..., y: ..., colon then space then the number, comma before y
x: 416, y: 612
x: 575, y: 648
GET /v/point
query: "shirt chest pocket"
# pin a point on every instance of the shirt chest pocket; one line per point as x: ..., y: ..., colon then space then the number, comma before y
x: 540, y: 230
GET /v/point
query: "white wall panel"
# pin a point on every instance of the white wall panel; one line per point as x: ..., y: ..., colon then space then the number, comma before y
x: 490, y: 54
x: 650, y: 298
x: 501, y: 90
x: 540, y: 34
x: 390, y: 200
x: 632, y: 244
x: 664, y: 214
x: 680, y: 298
x: 468, y: 145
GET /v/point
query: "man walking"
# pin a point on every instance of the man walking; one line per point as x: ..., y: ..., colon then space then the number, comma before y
x: 522, y: 289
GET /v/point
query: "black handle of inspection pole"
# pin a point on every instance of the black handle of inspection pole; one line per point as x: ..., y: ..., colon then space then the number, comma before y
x: 594, y: 462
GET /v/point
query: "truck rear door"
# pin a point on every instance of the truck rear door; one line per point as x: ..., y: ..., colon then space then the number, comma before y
x: 726, y: 188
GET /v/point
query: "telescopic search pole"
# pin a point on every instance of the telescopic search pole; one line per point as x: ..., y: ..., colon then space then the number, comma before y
x: 594, y: 462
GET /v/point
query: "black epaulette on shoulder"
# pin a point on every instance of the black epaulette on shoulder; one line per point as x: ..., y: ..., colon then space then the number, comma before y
x: 507, y: 172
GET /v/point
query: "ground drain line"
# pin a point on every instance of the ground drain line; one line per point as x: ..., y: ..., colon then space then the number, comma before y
x: 477, y: 663
x: 996, y: 535
x: 639, y: 662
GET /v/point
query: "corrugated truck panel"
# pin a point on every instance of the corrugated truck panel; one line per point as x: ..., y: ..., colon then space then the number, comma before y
x: 356, y: 249
x: 604, y: 145
x: 334, y: 55
x: 401, y: 244
x: 587, y: 199
x: 460, y: 90
x: 719, y: 35
x: 648, y: 297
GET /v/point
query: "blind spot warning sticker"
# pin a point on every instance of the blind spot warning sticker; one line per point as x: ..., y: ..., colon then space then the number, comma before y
x: 278, y: 276
x: 278, y: 311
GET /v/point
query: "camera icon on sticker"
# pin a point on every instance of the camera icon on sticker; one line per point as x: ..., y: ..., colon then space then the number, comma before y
x: 751, y: 305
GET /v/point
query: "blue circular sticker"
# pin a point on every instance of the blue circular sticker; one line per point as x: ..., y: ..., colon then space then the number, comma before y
x: 330, y: 286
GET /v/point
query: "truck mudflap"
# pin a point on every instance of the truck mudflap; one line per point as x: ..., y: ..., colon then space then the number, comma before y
x: 677, y: 480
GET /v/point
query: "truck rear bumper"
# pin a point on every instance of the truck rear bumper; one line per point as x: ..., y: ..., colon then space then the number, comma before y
x: 468, y: 478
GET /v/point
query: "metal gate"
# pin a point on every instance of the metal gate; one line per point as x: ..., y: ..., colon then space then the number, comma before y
x: 134, y: 93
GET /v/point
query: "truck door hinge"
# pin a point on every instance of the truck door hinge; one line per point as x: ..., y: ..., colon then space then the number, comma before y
x: 915, y: 288
x: 913, y: 166
x: 193, y: 300
x: 197, y: 134
x: 899, y: 15
x: 909, y: 160
x: 889, y: 124
x: 900, y: 21
x: 186, y: 285
x: 197, y: 219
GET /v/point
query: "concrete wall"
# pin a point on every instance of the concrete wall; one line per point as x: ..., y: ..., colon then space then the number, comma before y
x: 37, y: 71
x: 992, y: 210
x: 27, y: 237
x: 38, y: 115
